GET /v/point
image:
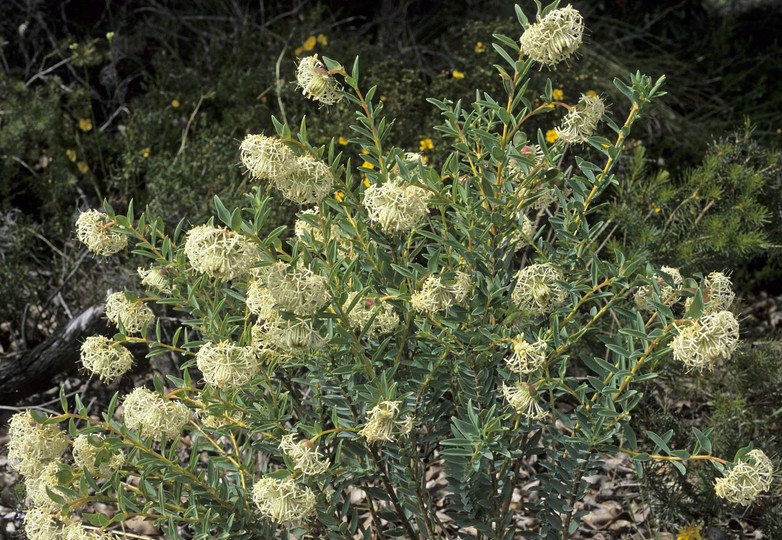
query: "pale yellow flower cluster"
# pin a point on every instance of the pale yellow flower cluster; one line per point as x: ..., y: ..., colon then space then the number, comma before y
x: 92, y: 230
x: 438, y: 294
x: 33, y: 445
x: 395, y: 205
x: 219, y: 252
x: 527, y: 357
x: 644, y: 295
x: 384, y: 425
x: 297, y: 289
x: 302, y: 179
x: 38, y: 484
x: 718, y: 293
x: 703, y: 343
x: 98, y: 460
x: 134, y: 315
x: 282, y: 500
x: 154, y: 278
x: 105, y: 358
x: 227, y: 365
x: 746, y: 480
x: 151, y: 416
x: 537, y: 290
x: 304, y: 455
x: 358, y: 317
x: 581, y: 121
x: 316, y: 82
x: 553, y: 38
x: 43, y: 524
x: 520, y: 396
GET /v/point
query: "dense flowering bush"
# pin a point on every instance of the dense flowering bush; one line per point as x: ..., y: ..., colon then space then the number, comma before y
x: 421, y: 318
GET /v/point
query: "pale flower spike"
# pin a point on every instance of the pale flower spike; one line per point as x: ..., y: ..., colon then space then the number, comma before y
x: 282, y: 500
x: 316, y: 82
x: 711, y: 338
x: 304, y: 455
x: 266, y: 158
x: 152, y: 416
x: 746, y: 480
x: 396, y: 205
x: 581, y: 121
x: 92, y: 230
x: 520, y: 396
x: 134, y: 315
x: 105, y: 358
x: 537, y: 290
x: 227, y: 365
x: 219, y: 252
x: 553, y: 38
x: 383, y: 425
x: 527, y: 357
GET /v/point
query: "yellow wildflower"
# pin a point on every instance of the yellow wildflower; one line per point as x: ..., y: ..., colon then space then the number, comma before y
x: 175, y: 103
x: 480, y: 47
x: 557, y: 94
x: 322, y: 39
x: 457, y: 74
x: 551, y: 135
x: 366, y: 182
x: 343, y: 141
x: 71, y: 154
x: 690, y: 532
x: 298, y: 51
x: 83, y: 167
x: 382, y: 98
x: 145, y: 152
x: 85, y: 124
x: 310, y: 43
x: 364, y: 151
x: 339, y: 196
x: 368, y: 165
x: 591, y: 93
x: 426, y: 144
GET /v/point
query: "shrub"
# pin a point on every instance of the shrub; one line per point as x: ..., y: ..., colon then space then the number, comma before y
x: 424, y: 318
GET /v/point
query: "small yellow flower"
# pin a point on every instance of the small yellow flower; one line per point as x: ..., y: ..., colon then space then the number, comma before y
x: 343, y: 141
x: 382, y: 98
x: 480, y: 47
x: 83, y: 167
x: 85, y: 124
x: 322, y: 39
x: 557, y: 94
x: 145, y: 152
x: 298, y: 51
x: 551, y: 135
x: 591, y: 93
x: 366, y: 182
x: 368, y: 165
x: 310, y: 43
x: 657, y: 209
x: 71, y: 154
x: 425, y: 159
x: 426, y: 144
x: 690, y: 532
x: 457, y: 74
x: 175, y: 103
x: 339, y: 196
x: 364, y: 151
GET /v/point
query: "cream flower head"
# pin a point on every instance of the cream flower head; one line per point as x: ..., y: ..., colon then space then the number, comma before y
x: 105, y: 358
x: 383, y: 424
x: 304, y: 455
x: 93, y: 231
x: 219, y: 252
x: 553, y: 38
x: 290, y: 335
x: 396, y: 205
x: 32, y: 445
x: 718, y: 293
x: 152, y: 416
x: 712, y: 338
x: 644, y: 295
x: 742, y: 484
x: 581, y: 121
x: 282, y: 500
x: 134, y: 315
x: 227, y: 365
x: 307, y: 181
x: 537, y: 290
x: 266, y: 158
x: 438, y: 294
x: 154, y: 278
x: 316, y: 82
x: 521, y: 398
x: 85, y: 455
x: 527, y: 357
x: 385, y: 321
x: 297, y: 289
